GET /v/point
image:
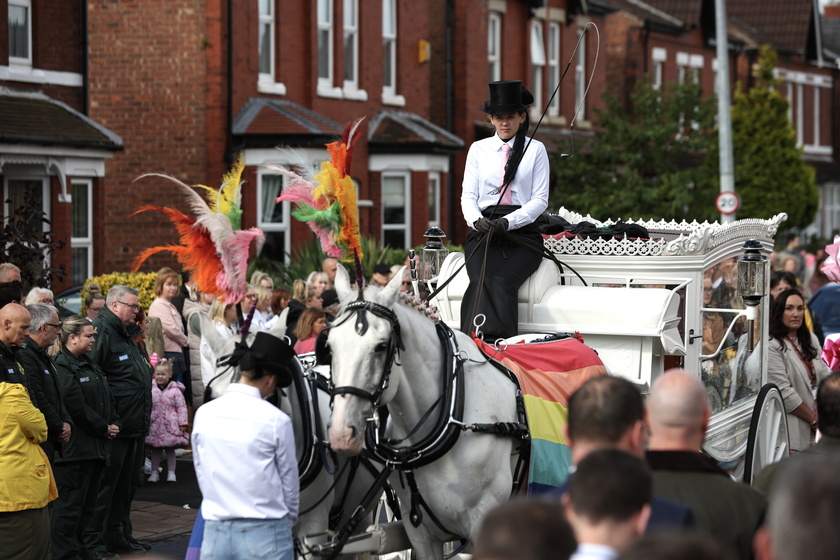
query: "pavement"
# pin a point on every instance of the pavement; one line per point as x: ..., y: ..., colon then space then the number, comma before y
x: 164, y: 510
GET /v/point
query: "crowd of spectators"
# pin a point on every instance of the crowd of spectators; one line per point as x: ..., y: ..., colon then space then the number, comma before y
x: 77, y: 401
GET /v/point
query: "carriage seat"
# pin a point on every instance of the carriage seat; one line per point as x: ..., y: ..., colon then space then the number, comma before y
x: 631, y: 328
x: 531, y: 292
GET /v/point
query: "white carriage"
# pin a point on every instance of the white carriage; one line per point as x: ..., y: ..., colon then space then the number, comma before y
x: 670, y: 301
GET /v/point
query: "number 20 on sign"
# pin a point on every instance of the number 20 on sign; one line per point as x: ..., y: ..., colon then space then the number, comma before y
x: 727, y: 202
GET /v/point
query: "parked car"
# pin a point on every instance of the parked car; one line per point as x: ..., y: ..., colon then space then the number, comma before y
x: 825, y: 305
x: 69, y: 302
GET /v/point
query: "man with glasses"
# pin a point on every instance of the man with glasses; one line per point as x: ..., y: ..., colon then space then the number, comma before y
x: 129, y: 374
x: 38, y: 368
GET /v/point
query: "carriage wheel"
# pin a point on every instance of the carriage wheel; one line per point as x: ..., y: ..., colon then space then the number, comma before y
x: 768, y: 440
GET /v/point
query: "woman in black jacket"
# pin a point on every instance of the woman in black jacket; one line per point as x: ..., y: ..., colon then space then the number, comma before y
x: 88, y: 400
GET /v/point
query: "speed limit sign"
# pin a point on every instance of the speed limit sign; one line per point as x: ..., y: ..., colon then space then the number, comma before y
x: 727, y: 202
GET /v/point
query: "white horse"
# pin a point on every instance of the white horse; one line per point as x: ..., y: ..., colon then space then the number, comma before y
x: 323, y: 492
x: 370, y: 370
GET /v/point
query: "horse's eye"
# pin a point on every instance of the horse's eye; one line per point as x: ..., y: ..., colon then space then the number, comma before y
x: 381, y: 347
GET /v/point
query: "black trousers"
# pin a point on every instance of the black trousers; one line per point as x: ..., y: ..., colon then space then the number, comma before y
x: 508, y: 266
x: 25, y: 535
x: 110, y: 525
x: 78, y: 488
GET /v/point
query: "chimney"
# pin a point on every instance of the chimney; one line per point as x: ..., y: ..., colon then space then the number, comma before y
x: 832, y: 11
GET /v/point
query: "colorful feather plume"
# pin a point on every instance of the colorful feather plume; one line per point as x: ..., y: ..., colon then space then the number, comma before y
x: 213, y: 246
x: 327, y: 200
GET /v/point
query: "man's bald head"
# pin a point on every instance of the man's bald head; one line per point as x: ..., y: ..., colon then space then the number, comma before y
x: 330, y: 266
x: 14, y: 324
x: 678, y: 410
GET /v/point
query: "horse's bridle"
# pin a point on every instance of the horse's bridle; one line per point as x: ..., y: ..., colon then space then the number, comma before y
x: 358, y: 308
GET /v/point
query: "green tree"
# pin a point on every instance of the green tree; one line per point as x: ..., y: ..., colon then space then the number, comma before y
x: 642, y: 161
x: 24, y: 243
x: 770, y: 174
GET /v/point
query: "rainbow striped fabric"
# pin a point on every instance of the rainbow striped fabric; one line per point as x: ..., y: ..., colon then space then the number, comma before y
x: 548, y: 373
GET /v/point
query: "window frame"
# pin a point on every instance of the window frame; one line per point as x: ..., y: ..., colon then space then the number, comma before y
x: 580, y: 76
x: 553, y: 63
x: 283, y: 227
x: 267, y: 81
x: 538, y: 63
x: 389, y: 45
x: 325, y: 26
x: 350, y: 25
x: 434, y: 192
x: 405, y: 226
x: 18, y: 60
x: 494, y: 47
x: 659, y: 56
x: 87, y: 242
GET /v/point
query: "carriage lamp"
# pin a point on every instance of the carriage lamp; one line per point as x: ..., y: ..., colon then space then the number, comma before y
x: 434, y: 253
x: 752, y: 281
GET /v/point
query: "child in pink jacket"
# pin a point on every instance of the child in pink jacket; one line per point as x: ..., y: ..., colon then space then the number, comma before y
x: 168, y: 428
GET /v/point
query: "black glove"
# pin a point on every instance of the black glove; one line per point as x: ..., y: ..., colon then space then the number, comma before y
x: 500, y: 225
x: 483, y: 225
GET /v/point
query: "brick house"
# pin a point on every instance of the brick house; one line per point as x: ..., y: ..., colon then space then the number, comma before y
x: 48, y: 143
x: 670, y: 40
x: 292, y: 76
x: 180, y: 86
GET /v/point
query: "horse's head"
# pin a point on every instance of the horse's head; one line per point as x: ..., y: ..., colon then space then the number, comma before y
x: 363, y: 341
x: 223, y: 348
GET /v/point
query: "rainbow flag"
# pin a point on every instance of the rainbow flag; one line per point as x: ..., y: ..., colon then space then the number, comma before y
x: 548, y: 373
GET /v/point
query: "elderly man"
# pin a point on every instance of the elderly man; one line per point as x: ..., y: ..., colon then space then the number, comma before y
x: 129, y: 375
x: 43, y: 330
x: 608, y: 412
x: 9, y: 273
x: 14, y: 328
x: 679, y: 414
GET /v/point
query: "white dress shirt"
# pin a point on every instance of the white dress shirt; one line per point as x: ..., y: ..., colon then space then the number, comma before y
x: 594, y: 552
x: 529, y: 189
x: 244, y: 455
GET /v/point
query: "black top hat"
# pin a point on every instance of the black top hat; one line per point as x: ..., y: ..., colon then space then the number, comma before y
x: 267, y: 354
x: 507, y: 97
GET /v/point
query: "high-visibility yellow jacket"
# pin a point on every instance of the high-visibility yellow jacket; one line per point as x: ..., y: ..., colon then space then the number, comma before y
x: 26, y: 480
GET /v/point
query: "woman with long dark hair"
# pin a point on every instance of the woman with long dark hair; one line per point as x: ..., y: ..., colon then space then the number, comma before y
x: 505, y: 190
x: 795, y: 366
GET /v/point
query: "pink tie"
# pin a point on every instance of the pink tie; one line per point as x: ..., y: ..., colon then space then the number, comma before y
x: 507, y: 198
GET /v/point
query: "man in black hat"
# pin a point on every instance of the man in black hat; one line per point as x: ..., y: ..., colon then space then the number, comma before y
x: 505, y: 190
x: 330, y: 304
x: 381, y: 275
x: 244, y: 456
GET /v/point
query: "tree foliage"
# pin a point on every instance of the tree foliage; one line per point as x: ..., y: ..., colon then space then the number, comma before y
x: 24, y: 243
x: 641, y: 162
x: 770, y: 174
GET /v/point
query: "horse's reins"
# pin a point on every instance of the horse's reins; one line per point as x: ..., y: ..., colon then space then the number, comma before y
x: 449, y: 424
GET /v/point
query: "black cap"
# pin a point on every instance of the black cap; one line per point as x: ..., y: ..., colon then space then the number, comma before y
x: 329, y: 297
x: 382, y: 268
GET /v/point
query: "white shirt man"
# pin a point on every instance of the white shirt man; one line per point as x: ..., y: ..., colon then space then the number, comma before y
x: 244, y: 454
